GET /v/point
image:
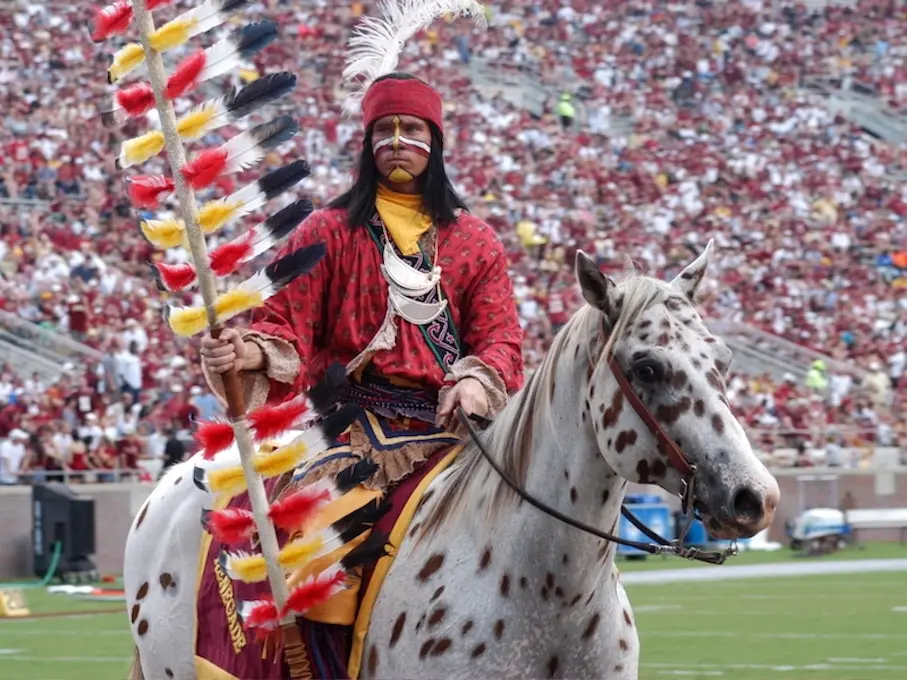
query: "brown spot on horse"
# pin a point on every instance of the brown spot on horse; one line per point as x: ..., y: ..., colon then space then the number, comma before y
x: 625, y: 438
x: 485, y: 559
x: 478, y: 651
x: 431, y: 566
x: 612, y: 413
x: 436, y: 617
x: 372, y: 660
x: 591, y: 626
x: 498, y: 629
x: 397, y: 630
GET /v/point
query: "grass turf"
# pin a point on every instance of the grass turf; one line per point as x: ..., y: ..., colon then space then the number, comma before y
x: 841, y: 627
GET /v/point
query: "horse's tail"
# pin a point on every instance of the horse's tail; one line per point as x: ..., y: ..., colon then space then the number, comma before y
x: 136, y: 672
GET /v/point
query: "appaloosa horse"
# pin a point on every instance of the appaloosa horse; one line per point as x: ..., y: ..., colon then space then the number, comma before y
x: 485, y: 585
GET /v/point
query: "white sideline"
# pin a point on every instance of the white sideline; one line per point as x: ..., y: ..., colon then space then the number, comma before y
x: 733, y: 572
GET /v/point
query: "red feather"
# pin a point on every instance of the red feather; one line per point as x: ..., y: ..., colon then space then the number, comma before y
x: 111, y: 20
x: 175, y: 277
x: 295, y: 510
x: 226, y: 259
x: 232, y: 526
x: 154, y: 4
x: 202, y: 170
x: 184, y: 77
x: 136, y: 100
x: 213, y: 437
x: 270, y: 421
x: 145, y: 191
x: 260, y: 614
x: 315, y: 591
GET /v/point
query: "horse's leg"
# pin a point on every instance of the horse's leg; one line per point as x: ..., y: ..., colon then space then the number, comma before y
x: 135, y: 673
x: 160, y: 570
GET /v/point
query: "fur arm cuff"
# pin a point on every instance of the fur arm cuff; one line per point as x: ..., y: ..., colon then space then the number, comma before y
x: 281, y: 364
x: 473, y: 367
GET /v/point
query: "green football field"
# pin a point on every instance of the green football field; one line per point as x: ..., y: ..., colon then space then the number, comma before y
x: 829, y: 627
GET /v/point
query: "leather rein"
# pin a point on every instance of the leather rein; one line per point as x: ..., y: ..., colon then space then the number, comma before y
x: 666, y: 446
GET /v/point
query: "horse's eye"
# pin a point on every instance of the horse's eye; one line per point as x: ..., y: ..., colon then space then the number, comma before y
x: 647, y: 372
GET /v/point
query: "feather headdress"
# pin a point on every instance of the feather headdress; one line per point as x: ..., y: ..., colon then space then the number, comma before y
x: 377, y: 42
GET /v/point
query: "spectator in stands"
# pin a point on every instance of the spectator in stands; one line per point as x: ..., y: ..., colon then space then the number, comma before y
x: 129, y: 370
x: 13, y: 453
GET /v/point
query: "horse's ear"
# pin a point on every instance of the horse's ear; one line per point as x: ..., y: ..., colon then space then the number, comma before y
x: 597, y: 288
x: 689, y: 279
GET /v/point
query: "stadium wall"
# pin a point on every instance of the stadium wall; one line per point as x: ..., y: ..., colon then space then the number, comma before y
x: 117, y: 504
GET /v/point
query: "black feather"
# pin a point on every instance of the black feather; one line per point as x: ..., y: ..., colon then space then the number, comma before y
x: 158, y: 279
x: 280, y: 224
x: 352, y: 476
x: 274, y: 132
x: 222, y: 559
x: 259, y: 92
x: 206, y: 518
x: 282, y: 271
x: 254, y: 37
x: 109, y: 111
x: 364, y: 518
x: 232, y: 5
x: 277, y: 181
x: 336, y: 423
x: 370, y: 550
x: 198, y: 478
x: 329, y: 389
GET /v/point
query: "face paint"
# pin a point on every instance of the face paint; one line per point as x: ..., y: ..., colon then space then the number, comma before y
x: 396, y: 143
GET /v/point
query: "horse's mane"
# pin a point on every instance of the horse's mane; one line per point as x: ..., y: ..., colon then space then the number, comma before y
x: 509, y: 438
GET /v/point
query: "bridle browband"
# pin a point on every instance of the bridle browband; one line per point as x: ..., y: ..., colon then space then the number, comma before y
x: 666, y: 445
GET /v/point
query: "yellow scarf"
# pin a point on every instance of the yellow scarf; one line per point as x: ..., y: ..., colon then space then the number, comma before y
x: 402, y: 215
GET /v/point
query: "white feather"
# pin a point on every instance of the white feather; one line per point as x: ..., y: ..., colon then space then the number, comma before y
x: 221, y: 57
x: 375, y: 46
x: 245, y: 160
x: 250, y: 197
x: 207, y: 16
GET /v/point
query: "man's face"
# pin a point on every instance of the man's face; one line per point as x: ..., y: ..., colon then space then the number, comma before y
x: 401, y: 145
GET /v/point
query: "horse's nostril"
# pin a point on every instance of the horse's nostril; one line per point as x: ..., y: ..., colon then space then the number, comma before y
x: 747, y: 505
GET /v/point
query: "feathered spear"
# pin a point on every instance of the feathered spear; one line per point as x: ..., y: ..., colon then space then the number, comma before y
x: 239, y: 153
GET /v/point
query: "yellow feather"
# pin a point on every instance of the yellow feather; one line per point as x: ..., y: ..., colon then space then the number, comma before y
x: 189, y: 321
x: 139, y: 149
x: 164, y: 233
x: 295, y: 555
x: 172, y: 34
x: 236, y: 302
x: 227, y: 480
x: 284, y: 459
x: 215, y: 214
x: 250, y: 569
x: 127, y: 59
x: 196, y: 123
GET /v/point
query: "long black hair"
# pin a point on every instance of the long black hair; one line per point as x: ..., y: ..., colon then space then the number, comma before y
x: 439, y: 199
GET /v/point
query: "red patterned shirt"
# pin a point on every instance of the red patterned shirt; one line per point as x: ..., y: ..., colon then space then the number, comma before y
x: 331, y: 314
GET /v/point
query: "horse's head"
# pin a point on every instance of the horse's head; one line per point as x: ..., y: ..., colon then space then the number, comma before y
x: 677, y: 368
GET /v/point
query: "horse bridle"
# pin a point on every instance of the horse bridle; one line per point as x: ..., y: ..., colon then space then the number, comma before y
x: 666, y: 446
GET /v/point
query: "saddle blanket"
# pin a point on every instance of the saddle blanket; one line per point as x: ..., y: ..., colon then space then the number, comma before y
x: 225, y: 650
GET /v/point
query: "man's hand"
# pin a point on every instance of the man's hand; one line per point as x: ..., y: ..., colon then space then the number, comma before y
x: 468, y: 393
x: 229, y: 350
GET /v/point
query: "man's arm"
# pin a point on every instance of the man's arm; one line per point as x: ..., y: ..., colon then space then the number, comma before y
x: 283, y: 335
x: 491, y: 331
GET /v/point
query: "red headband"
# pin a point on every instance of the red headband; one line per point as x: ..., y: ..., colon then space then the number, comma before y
x: 409, y: 97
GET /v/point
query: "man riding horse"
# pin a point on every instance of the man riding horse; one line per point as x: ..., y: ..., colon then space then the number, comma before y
x: 413, y: 296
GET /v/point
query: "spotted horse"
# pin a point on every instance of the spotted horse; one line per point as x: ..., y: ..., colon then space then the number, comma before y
x: 485, y: 584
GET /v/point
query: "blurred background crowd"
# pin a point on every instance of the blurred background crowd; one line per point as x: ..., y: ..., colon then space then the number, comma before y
x: 661, y: 126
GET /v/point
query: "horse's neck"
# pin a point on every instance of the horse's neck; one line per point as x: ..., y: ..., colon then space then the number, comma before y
x: 568, y: 473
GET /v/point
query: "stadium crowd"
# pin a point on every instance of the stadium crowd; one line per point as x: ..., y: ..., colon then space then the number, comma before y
x: 678, y: 123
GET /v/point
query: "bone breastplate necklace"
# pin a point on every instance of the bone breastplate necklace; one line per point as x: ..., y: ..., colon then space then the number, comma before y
x: 405, y: 283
